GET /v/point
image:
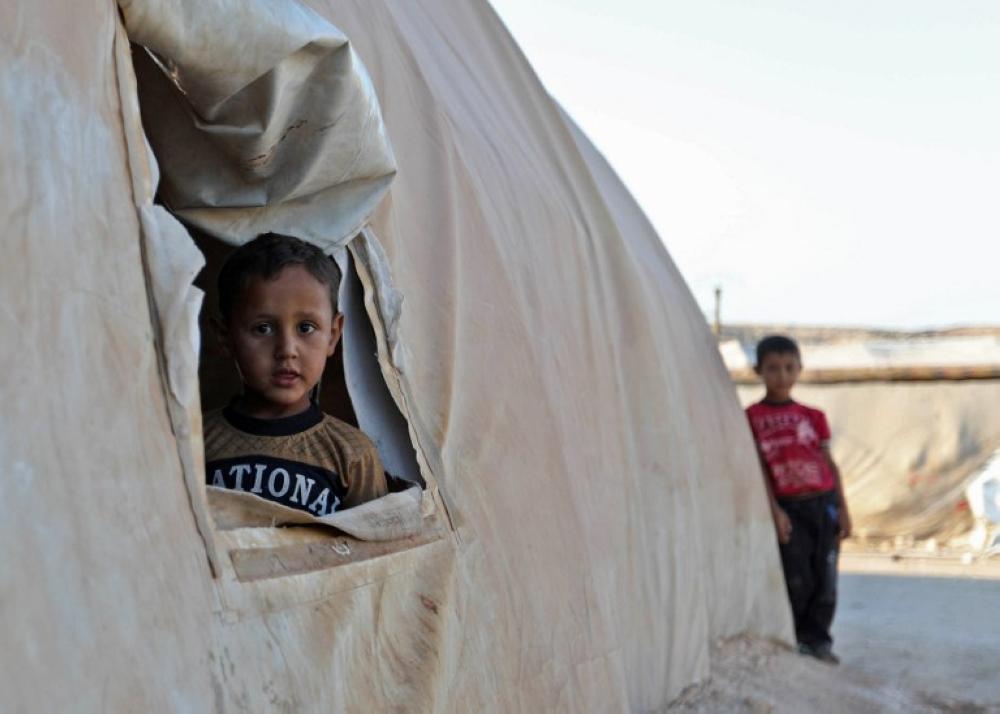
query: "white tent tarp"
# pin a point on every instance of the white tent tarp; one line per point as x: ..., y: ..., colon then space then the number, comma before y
x: 594, y: 516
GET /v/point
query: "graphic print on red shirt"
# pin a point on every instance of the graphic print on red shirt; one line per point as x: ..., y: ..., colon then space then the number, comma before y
x: 790, y: 437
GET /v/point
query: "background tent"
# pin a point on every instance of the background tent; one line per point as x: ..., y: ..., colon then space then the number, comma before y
x: 908, y: 450
x: 915, y: 419
x: 594, y: 516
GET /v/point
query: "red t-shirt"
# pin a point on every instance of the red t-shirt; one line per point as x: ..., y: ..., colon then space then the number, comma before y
x: 791, y: 438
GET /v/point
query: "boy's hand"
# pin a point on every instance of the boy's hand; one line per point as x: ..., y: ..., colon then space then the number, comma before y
x: 783, y: 524
x: 845, y: 524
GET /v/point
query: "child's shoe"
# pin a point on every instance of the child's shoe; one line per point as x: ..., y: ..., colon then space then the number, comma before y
x: 824, y: 653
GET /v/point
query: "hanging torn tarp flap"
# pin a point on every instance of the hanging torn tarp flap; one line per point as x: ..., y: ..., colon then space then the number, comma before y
x: 264, y: 120
x: 397, y: 515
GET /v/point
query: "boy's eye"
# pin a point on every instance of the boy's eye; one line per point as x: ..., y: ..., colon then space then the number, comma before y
x: 262, y: 328
x: 306, y: 328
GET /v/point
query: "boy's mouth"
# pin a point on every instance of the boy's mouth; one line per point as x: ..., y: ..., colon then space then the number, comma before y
x: 285, y: 377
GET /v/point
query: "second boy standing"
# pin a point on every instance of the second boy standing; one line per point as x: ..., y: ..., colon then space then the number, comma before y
x: 805, y: 492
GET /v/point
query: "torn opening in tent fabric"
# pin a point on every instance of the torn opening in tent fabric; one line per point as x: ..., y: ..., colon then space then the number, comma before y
x: 288, y: 138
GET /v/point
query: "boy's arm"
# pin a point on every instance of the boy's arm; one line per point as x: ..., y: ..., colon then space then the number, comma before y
x: 782, y: 523
x: 845, y: 518
x: 366, y: 478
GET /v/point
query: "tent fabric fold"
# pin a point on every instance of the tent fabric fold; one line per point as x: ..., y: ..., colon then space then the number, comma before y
x: 397, y: 515
x: 264, y: 120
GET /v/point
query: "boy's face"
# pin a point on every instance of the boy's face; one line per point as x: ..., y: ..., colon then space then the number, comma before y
x: 281, y: 333
x: 779, y: 372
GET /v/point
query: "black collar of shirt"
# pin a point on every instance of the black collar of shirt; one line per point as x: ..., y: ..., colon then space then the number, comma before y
x: 283, y: 426
x: 770, y: 403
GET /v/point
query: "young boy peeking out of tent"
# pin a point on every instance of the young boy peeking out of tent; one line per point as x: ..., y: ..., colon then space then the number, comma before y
x: 279, y: 322
x: 805, y: 492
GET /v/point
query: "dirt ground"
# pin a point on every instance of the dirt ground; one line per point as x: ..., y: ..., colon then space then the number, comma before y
x: 914, y: 635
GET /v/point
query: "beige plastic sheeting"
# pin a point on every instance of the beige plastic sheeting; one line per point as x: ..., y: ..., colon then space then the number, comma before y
x: 907, y: 450
x: 600, y: 516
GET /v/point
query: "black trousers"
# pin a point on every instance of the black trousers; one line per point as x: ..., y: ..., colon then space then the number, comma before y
x: 810, y: 563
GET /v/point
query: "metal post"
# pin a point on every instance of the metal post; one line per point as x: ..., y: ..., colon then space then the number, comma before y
x: 717, y: 325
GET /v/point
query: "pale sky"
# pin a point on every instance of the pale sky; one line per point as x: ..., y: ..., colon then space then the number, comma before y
x: 824, y: 162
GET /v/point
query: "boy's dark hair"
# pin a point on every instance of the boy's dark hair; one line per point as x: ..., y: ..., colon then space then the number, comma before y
x: 265, y: 256
x: 776, y: 344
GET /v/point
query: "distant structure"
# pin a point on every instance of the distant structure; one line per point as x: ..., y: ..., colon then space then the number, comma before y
x: 717, y: 322
x: 844, y: 355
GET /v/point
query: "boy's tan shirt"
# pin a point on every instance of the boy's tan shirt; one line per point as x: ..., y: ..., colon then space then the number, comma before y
x: 332, y: 446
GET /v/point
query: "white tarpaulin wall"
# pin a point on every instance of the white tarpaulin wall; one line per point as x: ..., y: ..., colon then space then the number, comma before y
x: 600, y: 516
x: 983, y: 494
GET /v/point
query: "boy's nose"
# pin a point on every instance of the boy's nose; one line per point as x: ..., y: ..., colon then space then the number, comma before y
x: 285, y: 345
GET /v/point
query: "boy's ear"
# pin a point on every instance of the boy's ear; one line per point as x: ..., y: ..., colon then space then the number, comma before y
x: 221, y: 331
x: 336, y: 330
